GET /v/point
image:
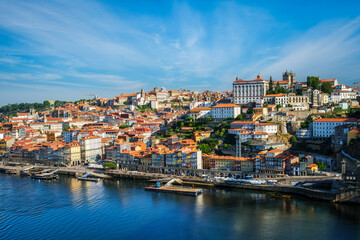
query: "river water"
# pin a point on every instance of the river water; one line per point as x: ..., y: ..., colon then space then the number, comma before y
x: 71, y: 209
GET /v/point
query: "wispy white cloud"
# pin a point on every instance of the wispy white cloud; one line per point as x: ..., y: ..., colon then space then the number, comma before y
x: 83, y: 46
x: 330, y: 49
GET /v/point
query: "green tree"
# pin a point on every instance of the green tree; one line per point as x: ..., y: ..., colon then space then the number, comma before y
x: 326, y: 87
x: 239, y: 117
x: 271, y: 86
x: 293, y: 140
x: 110, y: 165
x: 46, y: 104
x: 313, y: 82
x: 250, y: 111
x: 205, y: 148
x: 124, y: 126
x: 207, y: 119
x: 282, y: 90
x: 321, y: 165
x: 277, y: 88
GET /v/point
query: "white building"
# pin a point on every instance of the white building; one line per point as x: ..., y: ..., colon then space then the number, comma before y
x: 90, y: 148
x: 280, y: 98
x: 342, y: 87
x: 338, y: 96
x: 199, y: 104
x: 269, y: 128
x: 249, y: 136
x: 225, y: 110
x: 333, y: 81
x: 243, y: 125
x: 357, y: 90
x: 325, y: 127
x: 245, y: 91
x: 200, y: 112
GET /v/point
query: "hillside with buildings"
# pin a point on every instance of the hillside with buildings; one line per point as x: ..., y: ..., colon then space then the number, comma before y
x: 262, y: 128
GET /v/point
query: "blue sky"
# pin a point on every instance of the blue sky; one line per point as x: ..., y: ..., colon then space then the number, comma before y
x: 69, y: 49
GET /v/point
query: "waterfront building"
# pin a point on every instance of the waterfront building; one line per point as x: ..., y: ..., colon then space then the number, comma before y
x: 72, y: 155
x: 229, y: 163
x: 246, y: 91
x: 274, y: 162
x: 5, y: 144
x: 90, y: 148
x: 325, y: 127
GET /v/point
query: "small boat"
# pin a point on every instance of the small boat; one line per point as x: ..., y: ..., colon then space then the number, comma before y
x: 44, y: 177
x: 88, y: 179
x: 168, y: 188
x: 276, y: 195
x: 24, y: 174
x: 10, y: 171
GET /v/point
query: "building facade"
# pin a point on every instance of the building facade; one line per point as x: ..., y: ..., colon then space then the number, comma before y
x: 245, y: 91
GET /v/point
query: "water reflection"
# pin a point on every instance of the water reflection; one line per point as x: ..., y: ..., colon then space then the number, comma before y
x: 122, y: 209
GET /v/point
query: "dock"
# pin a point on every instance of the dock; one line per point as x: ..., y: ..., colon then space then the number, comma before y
x: 178, y: 190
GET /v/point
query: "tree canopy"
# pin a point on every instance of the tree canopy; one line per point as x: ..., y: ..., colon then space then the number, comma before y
x: 313, y: 82
x: 326, y: 87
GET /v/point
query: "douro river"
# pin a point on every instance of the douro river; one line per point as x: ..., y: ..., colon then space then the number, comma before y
x: 70, y: 209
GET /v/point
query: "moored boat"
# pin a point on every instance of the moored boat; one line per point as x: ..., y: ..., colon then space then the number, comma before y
x: 24, y: 174
x: 88, y: 179
x: 168, y: 188
x: 10, y: 171
x: 276, y: 195
x: 44, y: 176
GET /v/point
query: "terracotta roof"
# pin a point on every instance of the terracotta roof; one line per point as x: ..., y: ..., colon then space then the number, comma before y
x: 243, y: 122
x: 328, y: 80
x: 229, y: 105
x: 275, y: 95
x: 336, y: 120
x: 281, y: 82
x: 198, y: 109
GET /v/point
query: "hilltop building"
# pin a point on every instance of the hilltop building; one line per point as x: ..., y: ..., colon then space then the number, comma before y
x: 245, y: 91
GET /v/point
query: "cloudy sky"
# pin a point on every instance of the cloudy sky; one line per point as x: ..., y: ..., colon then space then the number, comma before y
x: 67, y: 50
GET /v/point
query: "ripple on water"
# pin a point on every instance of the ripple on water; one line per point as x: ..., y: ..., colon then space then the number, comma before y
x: 68, y: 208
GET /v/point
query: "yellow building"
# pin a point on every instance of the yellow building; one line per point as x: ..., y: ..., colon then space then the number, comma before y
x: 247, y: 164
x: 201, y: 135
x: 146, y: 160
x: 5, y: 144
x: 223, y: 162
x: 72, y: 154
x: 50, y: 136
x: 311, y: 169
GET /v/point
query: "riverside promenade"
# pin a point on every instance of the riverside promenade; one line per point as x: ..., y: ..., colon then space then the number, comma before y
x: 283, y: 185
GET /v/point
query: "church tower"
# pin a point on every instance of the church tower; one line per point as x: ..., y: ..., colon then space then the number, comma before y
x: 142, y: 93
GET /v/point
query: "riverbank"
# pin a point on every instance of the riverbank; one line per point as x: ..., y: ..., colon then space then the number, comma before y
x: 333, y: 196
